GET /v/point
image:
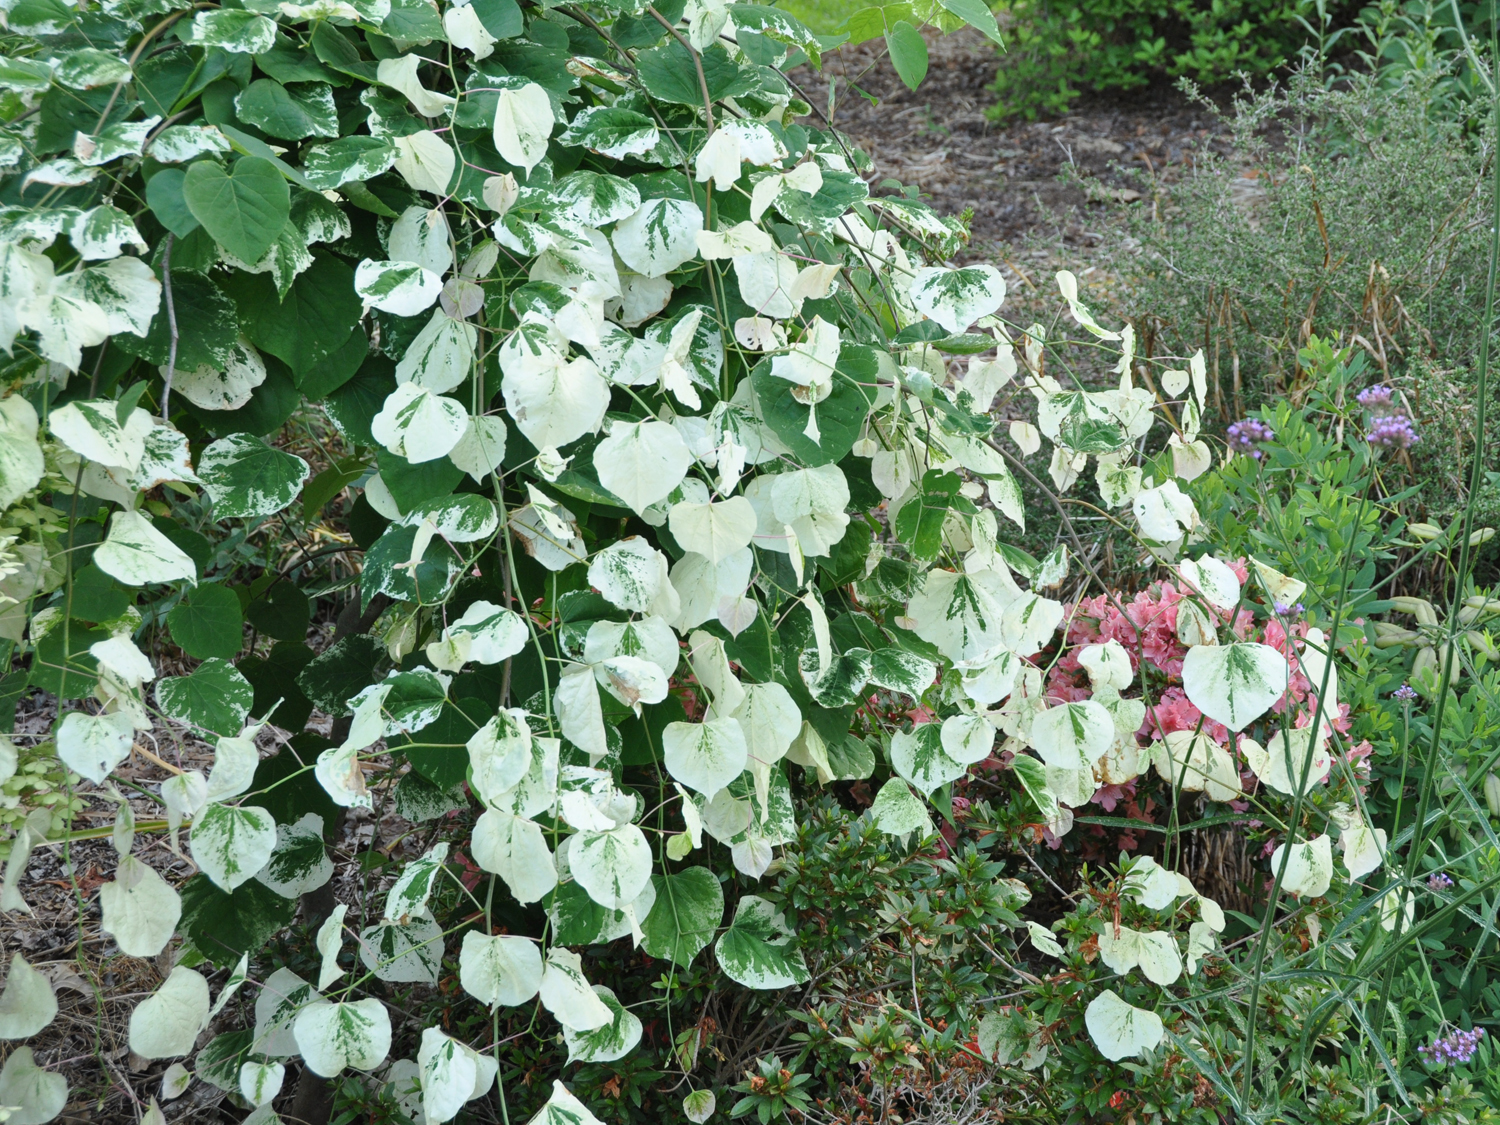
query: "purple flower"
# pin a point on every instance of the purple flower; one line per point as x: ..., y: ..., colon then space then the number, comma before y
x: 1246, y: 434
x: 1456, y: 1048
x: 1404, y: 693
x: 1393, y: 431
x: 1377, y: 400
x: 1438, y: 881
x: 1284, y: 610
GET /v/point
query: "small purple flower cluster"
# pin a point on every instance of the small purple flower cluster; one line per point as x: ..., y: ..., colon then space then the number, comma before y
x: 1395, y: 432
x: 1246, y: 434
x: 1405, y: 693
x: 1377, y: 400
x: 1459, y: 1047
x: 1284, y: 610
x: 1439, y: 882
x: 1390, y: 427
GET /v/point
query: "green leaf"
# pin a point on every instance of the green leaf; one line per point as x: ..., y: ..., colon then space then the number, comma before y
x: 501, y: 18
x: 669, y: 73
x: 207, y: 327
x: 62, y: 663
x: 247, y: 478
x: 287, y: 63
x: 440, y: 751
x: 285, y: 786
x: 977, y: 14
x: 342, y: 672
x: 223, y: 925
x: 759, y: 949
x: 96, y: 596
x: 164, y: 197
x: 244, y: 209
x: 841, y: 415
x: 908, y: 53
x: 688, y: 909
x: 290, y: 113
x: 427, y: 583
x: 919, y: 523
x: 215, y: 697
x: 333, y: 48
x: 334, y: 370
x: 312, y: 321
x: 281, y: 611
x: 274, y: 677
x: 207, y: 622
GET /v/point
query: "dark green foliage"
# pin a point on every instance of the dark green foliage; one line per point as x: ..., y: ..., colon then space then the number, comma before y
x: 1058, y: 51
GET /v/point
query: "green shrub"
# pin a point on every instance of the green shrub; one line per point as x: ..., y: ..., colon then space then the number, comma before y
x: 1367, y: 226
x: 1058, y: 50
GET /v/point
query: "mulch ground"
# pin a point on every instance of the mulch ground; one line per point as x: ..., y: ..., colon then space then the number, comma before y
x: 1036, y: 189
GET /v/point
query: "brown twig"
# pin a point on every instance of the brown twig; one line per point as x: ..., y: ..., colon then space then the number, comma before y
x: 166, y: 288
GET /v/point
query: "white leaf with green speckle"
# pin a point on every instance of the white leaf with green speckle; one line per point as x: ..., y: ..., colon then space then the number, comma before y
x: 1120, y: 1030
x: 441, y: 356
x: 36, y: 1095
x: 896, y: 810
x: 1234, y: 684
x: 567, y: 994
x: 419, y: 425
x: 248, y: 479
x: 231, y: 843
x: 167, y: 1022
x: 27, y: 1005
x: 135, y: 553
x: 332, y: 1037
x: 919, y: 757
x: 759, y: 949
x: 961, y: 613
x: 613, y: 1041
x: 399, y: 288
x: 642, y: 462
x: 403, y: 952
x: 515, y: 849
x: 659, y: 236
x: 93, y: 745
x: 140, y: 909
x: 523, y: 122
x: 300, y: 860
x: 499, y: 970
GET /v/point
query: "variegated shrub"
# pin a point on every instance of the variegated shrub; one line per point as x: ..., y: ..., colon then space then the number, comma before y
x: 662, y: 458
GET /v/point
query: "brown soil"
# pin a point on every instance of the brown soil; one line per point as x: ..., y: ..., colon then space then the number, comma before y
x: 1015, y: 176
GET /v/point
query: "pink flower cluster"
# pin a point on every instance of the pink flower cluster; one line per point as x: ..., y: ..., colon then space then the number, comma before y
x: 1147, y: 630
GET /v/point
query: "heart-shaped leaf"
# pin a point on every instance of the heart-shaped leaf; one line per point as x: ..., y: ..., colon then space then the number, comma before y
x: 244, y: 208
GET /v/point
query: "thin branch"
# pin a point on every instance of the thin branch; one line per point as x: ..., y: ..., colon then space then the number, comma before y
x: 166, y: 287
x: 708, y: 102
